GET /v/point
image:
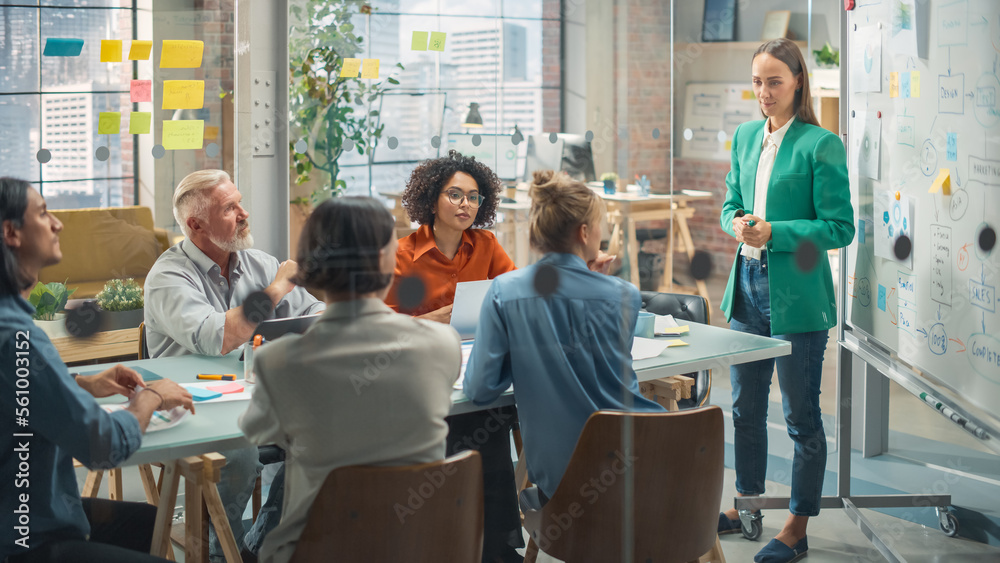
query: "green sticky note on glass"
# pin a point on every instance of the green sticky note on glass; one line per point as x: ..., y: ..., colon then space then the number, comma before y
x: 109, y: 123
x: 183, y: 134
x: 138, y: 122
x: 62, y: 47
x: 437, y: 40
x: 419, y: 42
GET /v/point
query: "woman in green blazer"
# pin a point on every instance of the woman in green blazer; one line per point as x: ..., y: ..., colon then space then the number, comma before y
x: 788, y: 202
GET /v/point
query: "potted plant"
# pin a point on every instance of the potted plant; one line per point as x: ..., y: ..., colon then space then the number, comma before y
x: 121, y: 304
x: 827, y: 73
x: 610, y: 180
x: 330, y: 115
x: 49, y: 301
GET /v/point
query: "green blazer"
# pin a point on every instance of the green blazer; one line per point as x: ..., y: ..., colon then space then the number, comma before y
x: 808, y: 199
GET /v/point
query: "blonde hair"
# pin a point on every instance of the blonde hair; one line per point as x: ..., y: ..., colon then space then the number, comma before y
x: 191, y: 196
x: 559, y: 205
x: 786, y: 51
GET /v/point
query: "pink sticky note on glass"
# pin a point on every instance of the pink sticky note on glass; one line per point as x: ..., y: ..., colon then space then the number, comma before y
x: 225, y: 388
x: 142, y: 91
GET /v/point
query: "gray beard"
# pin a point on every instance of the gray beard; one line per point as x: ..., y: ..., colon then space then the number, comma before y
x: 237, y: 243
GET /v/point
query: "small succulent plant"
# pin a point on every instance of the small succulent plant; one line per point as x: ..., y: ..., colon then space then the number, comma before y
x: 120, y: 295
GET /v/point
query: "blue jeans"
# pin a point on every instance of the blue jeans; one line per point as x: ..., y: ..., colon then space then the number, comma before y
x: 236, y: 483
x: 799, y: 376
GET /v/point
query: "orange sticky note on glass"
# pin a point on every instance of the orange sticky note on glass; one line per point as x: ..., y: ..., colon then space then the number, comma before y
x: 437, y: 40
x: 183, y: 94
x: 111, y: 50
x: 138, y: 122
x: 942, y: 182
x: 369, y: 70
x: 350, y: 68
x: 178, y: 53
x: 183, y: 134
x: 141, y: 90
x: 226, y: 388
x: 139, y: 50
x: 211, y: 133
x: 109, y: 123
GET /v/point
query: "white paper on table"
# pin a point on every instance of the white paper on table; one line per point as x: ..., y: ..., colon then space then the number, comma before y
x: 244, y: 396
x: 161, y: 420
x: 664, y: 321
x: 645, y: 348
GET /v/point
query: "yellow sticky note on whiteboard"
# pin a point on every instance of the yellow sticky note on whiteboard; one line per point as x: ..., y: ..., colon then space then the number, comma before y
x: 181, y: 53
x: 369, y: 70
x: 139, y: 51
x: 183, y: 134
x: 893, y: 84
x: 748, y: 94
x: 915, y: 84
x: 111, y: 50
x: 942, y: 182
x: 183, y: 94
x: 138, y: 122
x: 109, y: 123
x: 350, y: 68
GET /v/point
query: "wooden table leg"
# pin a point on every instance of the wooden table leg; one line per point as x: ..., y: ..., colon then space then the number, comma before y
x: 633, y: 251
x: 195, y: 523
x: 149, y: 484
x: 213, y: 463
x: 165, y: 510
x: 115, y: 484
x: 689, y: 246
x: 93, y: 483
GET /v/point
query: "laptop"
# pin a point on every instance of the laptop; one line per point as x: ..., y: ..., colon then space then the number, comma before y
x: 468, y: 302
x: 274, y: 328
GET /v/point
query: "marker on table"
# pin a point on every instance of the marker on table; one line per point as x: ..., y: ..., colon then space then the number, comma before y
x: 217, y: 376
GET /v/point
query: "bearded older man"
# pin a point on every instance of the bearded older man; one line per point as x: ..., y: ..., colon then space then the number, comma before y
x: 194, y: 296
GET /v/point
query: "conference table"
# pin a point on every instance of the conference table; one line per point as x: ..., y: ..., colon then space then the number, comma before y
x: 188, y: 448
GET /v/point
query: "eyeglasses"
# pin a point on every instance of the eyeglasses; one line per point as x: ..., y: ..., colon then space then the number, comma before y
x: 456, y: 197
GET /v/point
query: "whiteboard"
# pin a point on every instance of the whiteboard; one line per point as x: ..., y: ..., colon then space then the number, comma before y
x: 712, y: 112
x: 924, y: 104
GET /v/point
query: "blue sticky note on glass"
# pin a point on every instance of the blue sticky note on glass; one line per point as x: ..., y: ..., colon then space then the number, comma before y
x: 200, y: 394
x: 953, y: 147
x: 861, y: 231
x: 881, y: 297
x: 62, y: 47
x: 904, y: 85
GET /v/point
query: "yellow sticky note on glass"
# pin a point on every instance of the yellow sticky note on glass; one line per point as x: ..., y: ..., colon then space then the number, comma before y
x: 138, y: 122
x: 915, y: 84
x: 140, y: 49
x: 183, y: 94
x: 893, y: 84
x: 109, y: 123
x: 181, y: 53
x: 942, y: 182
x: 729, y: 145
x: 183, y: 134
x: 211, y: 133
x: 369, y: 70
x: 748, y: 94
x: 676, y: 342
x: 419, y: 41
x: 111, y: 50
x: 437, y: 40
x: 350, y: 68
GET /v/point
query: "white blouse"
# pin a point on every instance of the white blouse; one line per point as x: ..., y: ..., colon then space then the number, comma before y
x: 772, y: 141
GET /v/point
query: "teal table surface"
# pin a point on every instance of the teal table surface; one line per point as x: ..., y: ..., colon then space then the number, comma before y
x: 214, y: 426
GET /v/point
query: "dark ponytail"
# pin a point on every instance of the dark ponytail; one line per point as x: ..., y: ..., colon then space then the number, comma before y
x: 13, y: 205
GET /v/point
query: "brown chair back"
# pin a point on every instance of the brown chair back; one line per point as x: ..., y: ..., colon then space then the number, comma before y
x: 143, y: 348
x: 430, y: 512
x: 639, y: 487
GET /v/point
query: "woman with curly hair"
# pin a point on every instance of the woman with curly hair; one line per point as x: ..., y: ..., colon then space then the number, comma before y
x: 452, y: 198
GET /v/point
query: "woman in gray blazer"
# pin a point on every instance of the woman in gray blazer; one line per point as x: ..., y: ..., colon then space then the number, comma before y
x: 360, y: 366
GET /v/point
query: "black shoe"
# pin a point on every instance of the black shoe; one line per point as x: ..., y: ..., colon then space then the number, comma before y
x: 727, y: 526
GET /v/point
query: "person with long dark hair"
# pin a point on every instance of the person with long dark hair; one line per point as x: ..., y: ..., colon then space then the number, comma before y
x: 362, y: 386
x: 788, y: 198
x: 41, y: 512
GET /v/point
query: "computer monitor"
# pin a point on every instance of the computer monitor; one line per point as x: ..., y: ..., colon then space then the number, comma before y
x: 495, y: 151
x: 570, y: 153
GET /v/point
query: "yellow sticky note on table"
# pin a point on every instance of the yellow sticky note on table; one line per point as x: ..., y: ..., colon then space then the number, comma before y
x: 111, y: 50
x: 138, y: 122
x: 942, y: 182
x: 676, y: 342
x: 419, y: 41
x: 893, y: 84
x: 140, y: 49
x: 915, y: 84
x: 183, y: 134
x: 179, y: 53
x: 748, y: 94
x: 369, y: 70
x: 109, y: 123
x: 350, y: 68
x: 211, y: 133
x: 437, y: 40
x: 183, y: 94
x: 674, y: 330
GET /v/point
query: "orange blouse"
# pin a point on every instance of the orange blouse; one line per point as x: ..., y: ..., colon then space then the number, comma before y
x: 479, y: 257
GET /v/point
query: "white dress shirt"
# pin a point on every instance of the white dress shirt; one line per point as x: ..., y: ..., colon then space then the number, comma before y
x: 772, y: 141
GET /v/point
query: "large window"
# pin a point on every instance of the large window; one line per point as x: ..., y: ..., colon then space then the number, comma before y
x: 49, y: 106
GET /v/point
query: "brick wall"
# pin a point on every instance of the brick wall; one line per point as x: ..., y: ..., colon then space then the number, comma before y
x: 551, y: 66
x: 216, y: 27
x: 710, y: 176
